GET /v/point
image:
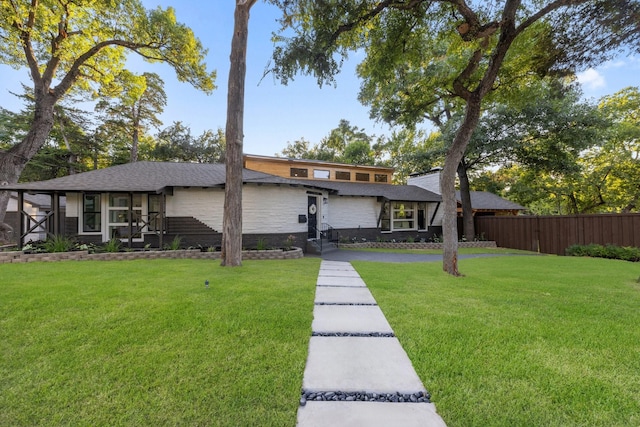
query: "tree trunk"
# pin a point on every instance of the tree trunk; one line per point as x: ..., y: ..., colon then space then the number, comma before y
x: 447, y: 185
x: 232, y: 222
x: 13, y: 161
x: 134, y: 141
x: 468, y: 228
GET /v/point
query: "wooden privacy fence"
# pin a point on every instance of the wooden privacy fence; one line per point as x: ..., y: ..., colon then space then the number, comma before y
x: 553, y: 234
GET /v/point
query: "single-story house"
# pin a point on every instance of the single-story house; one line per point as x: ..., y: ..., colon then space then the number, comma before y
x: 149, y: 203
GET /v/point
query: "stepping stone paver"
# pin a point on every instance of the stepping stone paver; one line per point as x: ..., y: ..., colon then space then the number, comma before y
x: 349, y: 318
x: 340, y: 281
x: 339, y: 273
x: 346, y: 295
x: 377, y: 365
x: 369, y: 414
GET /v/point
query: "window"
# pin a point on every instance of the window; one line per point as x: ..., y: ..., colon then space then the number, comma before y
x: 154, y: 212
x: 344, y: 176
x: 422, y: 216
x: 362, y: 176
x: 320, y: 174
x: 385, y: 218
x: 118, y: 215
x: 403, y: 216
x: 91, y: 213
x: 299, y: 172
x: 379, y: 177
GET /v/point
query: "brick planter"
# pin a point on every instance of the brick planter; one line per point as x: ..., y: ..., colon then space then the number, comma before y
x: 16, y: 256
x: 415, y: 245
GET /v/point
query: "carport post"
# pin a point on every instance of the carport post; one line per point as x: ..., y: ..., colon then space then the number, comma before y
x: 21, y: 217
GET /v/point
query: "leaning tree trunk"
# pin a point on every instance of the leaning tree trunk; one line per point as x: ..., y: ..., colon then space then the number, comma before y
x: 13, y: 161
x: 468, y: 229
x: 447, y: 186
x: 232, y: 221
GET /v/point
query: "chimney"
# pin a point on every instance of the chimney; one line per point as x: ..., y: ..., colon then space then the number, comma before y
x: 427, y: 180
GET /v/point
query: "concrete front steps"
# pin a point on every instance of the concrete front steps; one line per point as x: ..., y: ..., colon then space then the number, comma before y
x: 355, y: 358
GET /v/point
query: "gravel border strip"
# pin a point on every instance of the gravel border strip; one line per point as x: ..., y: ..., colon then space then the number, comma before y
x: 363, y: 396
x: 354, y: 334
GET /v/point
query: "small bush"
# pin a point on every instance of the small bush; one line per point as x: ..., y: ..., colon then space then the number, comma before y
x: 112, y: 245
x: 261, y: 245
x: 59, y: 243
x: 174, y: 245
x: 288, y: 244
x: 626, y: 253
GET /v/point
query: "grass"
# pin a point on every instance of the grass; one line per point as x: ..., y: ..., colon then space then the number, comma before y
x: 145, y: 343
x: 520, y: 341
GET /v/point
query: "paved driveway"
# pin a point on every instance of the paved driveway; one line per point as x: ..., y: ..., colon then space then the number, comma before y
x: 349, y: 255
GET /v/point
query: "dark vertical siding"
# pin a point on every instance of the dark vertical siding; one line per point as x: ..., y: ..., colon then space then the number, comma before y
x: 553, y: 234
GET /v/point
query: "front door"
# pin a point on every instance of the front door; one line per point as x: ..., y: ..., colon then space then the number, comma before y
x: 312, y: 213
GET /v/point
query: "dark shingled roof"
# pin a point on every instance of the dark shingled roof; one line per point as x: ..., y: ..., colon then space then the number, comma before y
x: 146, y: 177
x: 490, y: 201
x: 408, y: 193
x: 155, y: 176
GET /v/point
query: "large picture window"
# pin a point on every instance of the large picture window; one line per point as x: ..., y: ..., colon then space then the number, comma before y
x: 403, y: 216
x: 91, y: 213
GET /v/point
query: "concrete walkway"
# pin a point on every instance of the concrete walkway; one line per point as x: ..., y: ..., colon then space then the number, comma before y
x: 357, y: 373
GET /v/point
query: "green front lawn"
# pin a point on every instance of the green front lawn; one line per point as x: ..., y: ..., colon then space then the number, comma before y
x: 520, y: 341
x: 144, y: 343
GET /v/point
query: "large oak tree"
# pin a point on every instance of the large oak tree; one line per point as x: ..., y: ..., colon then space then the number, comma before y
x: 234, y: 134
x: 465, y: 42
x: 77, y: 45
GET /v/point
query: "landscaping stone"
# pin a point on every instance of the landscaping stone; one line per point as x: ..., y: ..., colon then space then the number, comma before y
x: 369, y: 414
x: 359, y: 363
x: 348, y: 318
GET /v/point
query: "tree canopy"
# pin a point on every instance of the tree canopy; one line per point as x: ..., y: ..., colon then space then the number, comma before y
x: 76, y: 46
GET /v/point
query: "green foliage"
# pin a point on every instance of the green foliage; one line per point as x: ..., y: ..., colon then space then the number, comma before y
x: 59, y: 243
x: 60, y: 35
x: 345, y: 144
x: 607, y: 251
x: 174, y: 245
x: 130, y: 105
x: 113, y: 245
x: 262, y: 244
x: 176, y: 144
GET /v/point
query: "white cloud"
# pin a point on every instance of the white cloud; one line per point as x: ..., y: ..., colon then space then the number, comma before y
x: 591, y: 79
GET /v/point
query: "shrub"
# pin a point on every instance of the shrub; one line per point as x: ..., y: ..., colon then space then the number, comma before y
x: 289, y: 242
x: 609, y: 251
x: 261, y: 245
x: 112, y: 245
x: 59, y: 243
x: 174, y: 245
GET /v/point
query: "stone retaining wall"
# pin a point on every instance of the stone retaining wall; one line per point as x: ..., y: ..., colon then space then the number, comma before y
x: 415, y: 245
x: 17, y: 256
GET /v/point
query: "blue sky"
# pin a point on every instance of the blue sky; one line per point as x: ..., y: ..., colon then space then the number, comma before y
x: 277, y: 114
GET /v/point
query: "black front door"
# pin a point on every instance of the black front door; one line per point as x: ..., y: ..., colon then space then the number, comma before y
x: 312, y: 214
